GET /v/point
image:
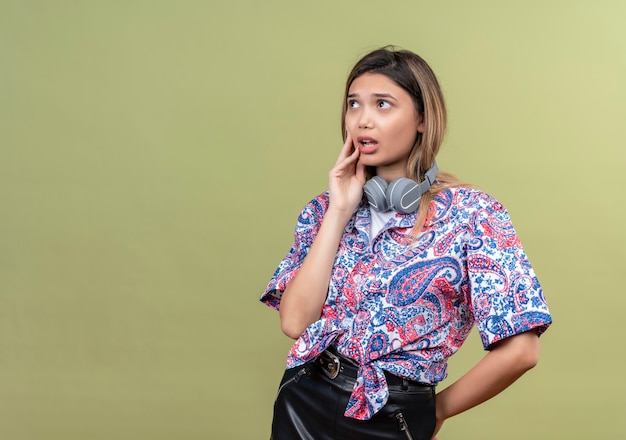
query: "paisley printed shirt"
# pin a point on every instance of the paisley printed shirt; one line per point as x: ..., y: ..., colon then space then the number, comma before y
x: 404, y: 305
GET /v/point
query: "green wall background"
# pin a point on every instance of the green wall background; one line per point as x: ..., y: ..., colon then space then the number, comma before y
x: 154, y: 156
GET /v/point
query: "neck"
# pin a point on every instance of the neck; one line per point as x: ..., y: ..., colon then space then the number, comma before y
x: 390, y: 173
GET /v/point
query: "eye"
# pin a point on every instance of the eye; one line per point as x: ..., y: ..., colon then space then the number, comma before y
x: 384, y: 104
x: 352, y: 103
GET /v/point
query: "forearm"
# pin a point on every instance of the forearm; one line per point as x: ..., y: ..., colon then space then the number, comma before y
x: 495, y: 372
x: 302, y: 300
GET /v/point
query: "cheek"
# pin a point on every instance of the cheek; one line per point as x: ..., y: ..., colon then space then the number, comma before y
x: 406, y: 135
x: 350, y: 123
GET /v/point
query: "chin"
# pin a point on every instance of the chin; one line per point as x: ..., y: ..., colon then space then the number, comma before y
x: 369, y: 161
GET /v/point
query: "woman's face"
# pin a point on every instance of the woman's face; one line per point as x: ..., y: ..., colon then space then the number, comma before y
x: 383, y: 123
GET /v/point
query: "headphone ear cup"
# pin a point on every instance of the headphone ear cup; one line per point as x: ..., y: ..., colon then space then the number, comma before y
x: 403, y: 195
x: 375, y: 190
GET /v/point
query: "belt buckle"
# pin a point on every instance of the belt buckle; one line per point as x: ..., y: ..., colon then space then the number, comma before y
x: 331, y: 369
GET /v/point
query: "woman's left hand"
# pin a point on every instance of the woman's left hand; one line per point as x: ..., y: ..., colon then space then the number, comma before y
x: 505, y: 363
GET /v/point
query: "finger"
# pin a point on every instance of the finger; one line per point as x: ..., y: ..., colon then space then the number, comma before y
x: 360, y: 171
x: 348, y: 142
x: 343, y: 163
x: 345, y: 150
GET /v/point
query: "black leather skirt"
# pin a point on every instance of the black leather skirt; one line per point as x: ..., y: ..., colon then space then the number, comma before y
x: 312, y: 399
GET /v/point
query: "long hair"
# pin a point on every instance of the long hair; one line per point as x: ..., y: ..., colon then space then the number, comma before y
x: 411, y: 72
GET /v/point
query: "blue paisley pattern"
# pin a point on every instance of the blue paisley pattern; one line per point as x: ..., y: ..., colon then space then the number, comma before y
x: 406, y: 306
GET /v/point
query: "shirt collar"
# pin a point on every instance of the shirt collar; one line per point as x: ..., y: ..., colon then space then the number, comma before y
x: 362, y: 219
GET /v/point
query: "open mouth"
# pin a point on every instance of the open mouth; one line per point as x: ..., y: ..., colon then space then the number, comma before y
x: 367, y: 145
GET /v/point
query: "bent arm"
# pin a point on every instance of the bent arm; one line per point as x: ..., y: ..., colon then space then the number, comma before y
x: 502, y: 366
x: 304, y: 296
x: 302, y: 300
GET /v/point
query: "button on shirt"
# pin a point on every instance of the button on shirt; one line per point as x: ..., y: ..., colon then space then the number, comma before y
x: 404, y: 305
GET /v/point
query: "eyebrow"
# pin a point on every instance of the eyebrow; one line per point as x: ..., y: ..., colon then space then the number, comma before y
x: 375, y: 95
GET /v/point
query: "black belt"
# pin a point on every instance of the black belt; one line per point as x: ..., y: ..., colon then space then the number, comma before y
x: 333, y: 364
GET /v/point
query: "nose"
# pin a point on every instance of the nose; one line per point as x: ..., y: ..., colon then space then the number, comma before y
x: 365, y: 119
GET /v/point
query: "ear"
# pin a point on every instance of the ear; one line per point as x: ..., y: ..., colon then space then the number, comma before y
x: 420, y: 123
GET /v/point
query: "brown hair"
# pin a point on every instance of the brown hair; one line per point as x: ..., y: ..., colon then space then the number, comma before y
x: 411, y: 72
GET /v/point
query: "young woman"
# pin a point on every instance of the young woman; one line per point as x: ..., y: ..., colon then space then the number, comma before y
x: 390, y: 269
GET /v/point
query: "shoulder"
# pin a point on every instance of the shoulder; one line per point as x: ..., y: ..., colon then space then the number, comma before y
x: 463, y: 204
x: 314, y: 210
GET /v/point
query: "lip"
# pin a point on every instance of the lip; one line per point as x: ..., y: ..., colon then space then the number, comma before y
x: 371, y: 147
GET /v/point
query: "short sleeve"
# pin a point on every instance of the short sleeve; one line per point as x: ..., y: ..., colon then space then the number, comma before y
x: 505, y: 293
x: 307, y: 226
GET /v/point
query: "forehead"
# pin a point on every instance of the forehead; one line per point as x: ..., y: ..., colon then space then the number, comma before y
x: 370, y: 83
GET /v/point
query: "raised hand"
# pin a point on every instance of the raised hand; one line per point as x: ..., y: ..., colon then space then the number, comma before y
x: 346, y: 179
x: 304, y: 297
